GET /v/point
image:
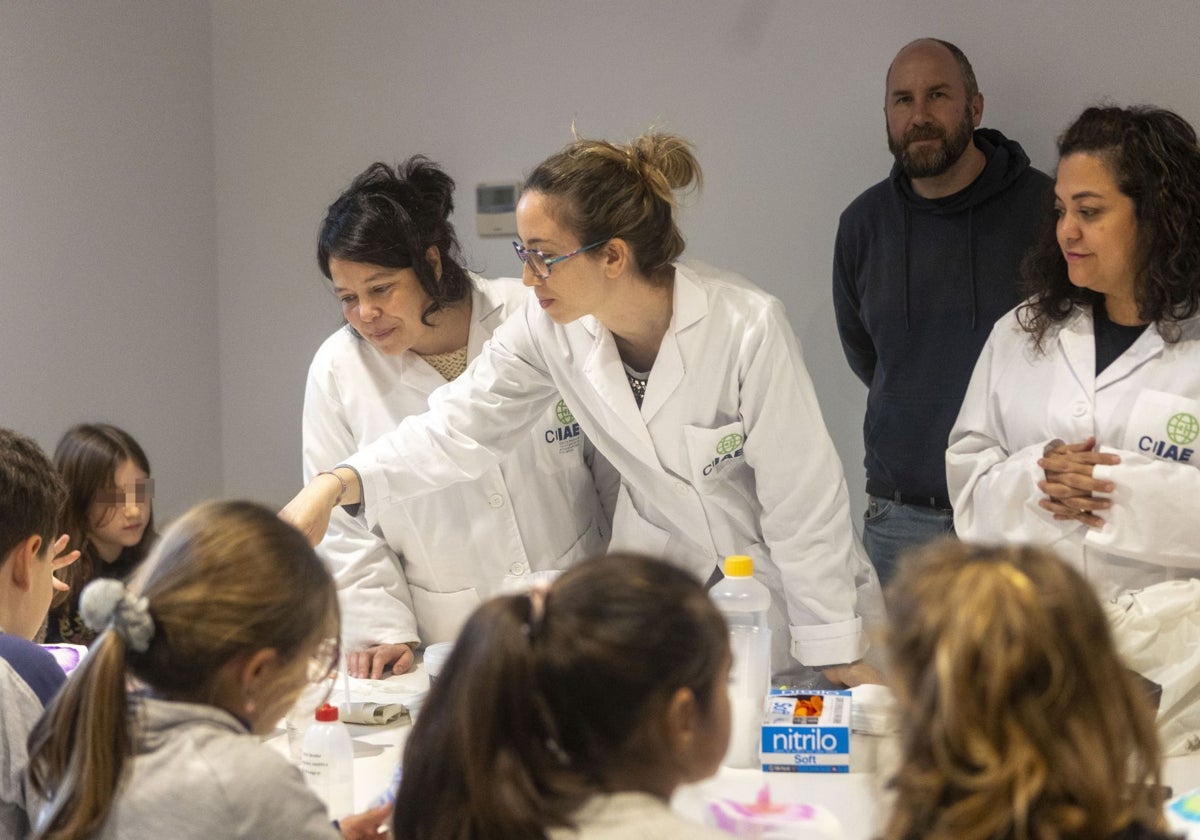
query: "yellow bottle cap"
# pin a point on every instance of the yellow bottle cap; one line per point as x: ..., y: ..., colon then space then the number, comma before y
x: 739, y: 565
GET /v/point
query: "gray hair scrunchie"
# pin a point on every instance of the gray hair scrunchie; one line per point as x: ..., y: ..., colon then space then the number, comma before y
x: 106, y: 603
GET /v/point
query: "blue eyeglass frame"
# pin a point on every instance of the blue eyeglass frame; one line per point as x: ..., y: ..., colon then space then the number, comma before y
x: 523, y: 255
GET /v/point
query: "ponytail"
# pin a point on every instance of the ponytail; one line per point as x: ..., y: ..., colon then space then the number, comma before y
x: 483, y: 746
x: 546, y: 700
x: 79, y: 746
x: 210, y: 591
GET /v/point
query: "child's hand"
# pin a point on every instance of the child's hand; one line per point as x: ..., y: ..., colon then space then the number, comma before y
x: 368, y: 825
x: 61, y: 561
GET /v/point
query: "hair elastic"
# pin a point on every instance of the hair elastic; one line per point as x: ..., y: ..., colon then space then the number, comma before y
x: 107, y: 603
x: 537, y: 609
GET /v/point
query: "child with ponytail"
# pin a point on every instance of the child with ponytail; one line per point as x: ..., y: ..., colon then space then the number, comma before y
x: 573, y: 712
x: 221, y: 629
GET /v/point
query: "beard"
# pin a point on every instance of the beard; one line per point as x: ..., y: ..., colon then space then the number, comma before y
x: 931, y: 161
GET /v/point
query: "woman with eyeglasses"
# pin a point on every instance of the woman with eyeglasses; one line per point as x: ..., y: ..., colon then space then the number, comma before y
x: 154, y: 734
x: 414, y: 319
x: 687, y: 378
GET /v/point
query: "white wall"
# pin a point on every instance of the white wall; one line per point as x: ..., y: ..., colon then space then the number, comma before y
x: 164, y: 167
x: 108, y: 305
x: 782, y: 99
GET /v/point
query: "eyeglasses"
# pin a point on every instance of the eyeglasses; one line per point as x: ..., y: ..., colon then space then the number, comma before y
x: 540, y: 264
x: 321, y: 674
x: 324, y: 659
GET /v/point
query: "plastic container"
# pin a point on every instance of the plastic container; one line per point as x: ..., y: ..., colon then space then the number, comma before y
x: 327, y: 761
x: 435, y: 658
x: 745, y: 603
x: 300, y: 716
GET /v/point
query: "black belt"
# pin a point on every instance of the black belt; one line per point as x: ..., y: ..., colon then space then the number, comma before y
x: 878, y: 488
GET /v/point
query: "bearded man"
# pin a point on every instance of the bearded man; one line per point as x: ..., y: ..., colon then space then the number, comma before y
x: 925, y: 262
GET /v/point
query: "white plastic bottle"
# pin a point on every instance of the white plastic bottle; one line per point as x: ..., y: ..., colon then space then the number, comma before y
x: 745, y: 602
x: 327, y: 761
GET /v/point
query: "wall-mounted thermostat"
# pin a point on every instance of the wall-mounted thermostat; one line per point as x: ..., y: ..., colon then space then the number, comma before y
x: 496, y: 209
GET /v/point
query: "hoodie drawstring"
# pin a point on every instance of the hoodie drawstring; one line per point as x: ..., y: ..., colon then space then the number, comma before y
x: 971, y: 268
x: 907, y: 225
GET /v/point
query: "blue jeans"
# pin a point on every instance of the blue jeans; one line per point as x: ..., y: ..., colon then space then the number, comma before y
x: 891, y: 528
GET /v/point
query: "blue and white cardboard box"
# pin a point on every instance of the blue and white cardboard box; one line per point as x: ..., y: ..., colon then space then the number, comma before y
x: 806, y: 732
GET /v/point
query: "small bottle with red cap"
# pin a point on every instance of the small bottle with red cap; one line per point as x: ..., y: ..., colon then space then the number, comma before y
x: 327, y: 762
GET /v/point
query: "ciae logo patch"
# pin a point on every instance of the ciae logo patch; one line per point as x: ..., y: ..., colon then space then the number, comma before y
x: 728, y: 448
x: 566, y: 434
x: 1182, y: 429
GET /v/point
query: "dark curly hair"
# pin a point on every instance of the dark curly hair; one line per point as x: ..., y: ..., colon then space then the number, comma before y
x: 1153, y: 156
x: 389, y: 217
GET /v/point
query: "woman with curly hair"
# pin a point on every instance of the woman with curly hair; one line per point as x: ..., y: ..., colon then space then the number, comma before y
x: 414, y: 319
x: 1080, y: 427
x: 1018, y: 720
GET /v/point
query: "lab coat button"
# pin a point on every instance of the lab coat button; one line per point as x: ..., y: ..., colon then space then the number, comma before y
x: 496, y: 500
x: 518, y: 568
x: 1079, y: 409
x: 681, y: 488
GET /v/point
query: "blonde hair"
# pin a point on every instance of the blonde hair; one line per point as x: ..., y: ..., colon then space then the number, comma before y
x: 605, y: 191
x: 1018, y: 718
x: 227, y: 578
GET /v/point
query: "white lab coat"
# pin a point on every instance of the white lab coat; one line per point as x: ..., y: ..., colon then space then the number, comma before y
x: 427, y: 562
x: 1019, y: 400
x: 727, y: 455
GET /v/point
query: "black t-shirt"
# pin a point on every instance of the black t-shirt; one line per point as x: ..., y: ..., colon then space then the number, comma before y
x: 1111, y: 339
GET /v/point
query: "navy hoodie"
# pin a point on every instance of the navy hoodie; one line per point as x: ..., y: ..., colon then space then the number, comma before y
x: 917, y: 285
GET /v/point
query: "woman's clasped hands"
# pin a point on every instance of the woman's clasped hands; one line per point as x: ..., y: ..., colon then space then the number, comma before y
x: 1069, y: 483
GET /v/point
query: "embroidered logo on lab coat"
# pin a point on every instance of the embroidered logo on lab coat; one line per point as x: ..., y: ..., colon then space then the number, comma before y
x: 728, y: 448
x: 1164, y: 426
x: 1182, y: 428
x: 567, y: 434
x: 729, y: 444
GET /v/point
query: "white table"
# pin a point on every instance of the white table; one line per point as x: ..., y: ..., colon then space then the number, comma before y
x: 377, y: 749
x: 857, y: 799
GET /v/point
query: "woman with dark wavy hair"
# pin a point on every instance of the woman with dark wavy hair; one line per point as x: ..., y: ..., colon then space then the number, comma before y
x: 414, y: 319
x: 1081, y: 426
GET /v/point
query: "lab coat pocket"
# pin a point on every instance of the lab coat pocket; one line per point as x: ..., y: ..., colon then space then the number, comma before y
x: 558, y: 440
x: 440, y: 615
x: 1164, y: 426
x: 633, y: 533
x: 715, y: 456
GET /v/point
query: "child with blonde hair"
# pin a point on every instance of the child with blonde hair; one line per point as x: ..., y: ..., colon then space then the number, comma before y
x: 1018, y: 718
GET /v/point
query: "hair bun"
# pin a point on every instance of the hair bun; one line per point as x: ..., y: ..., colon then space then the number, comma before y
x: 432, y: 186
x: 668, y: 154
